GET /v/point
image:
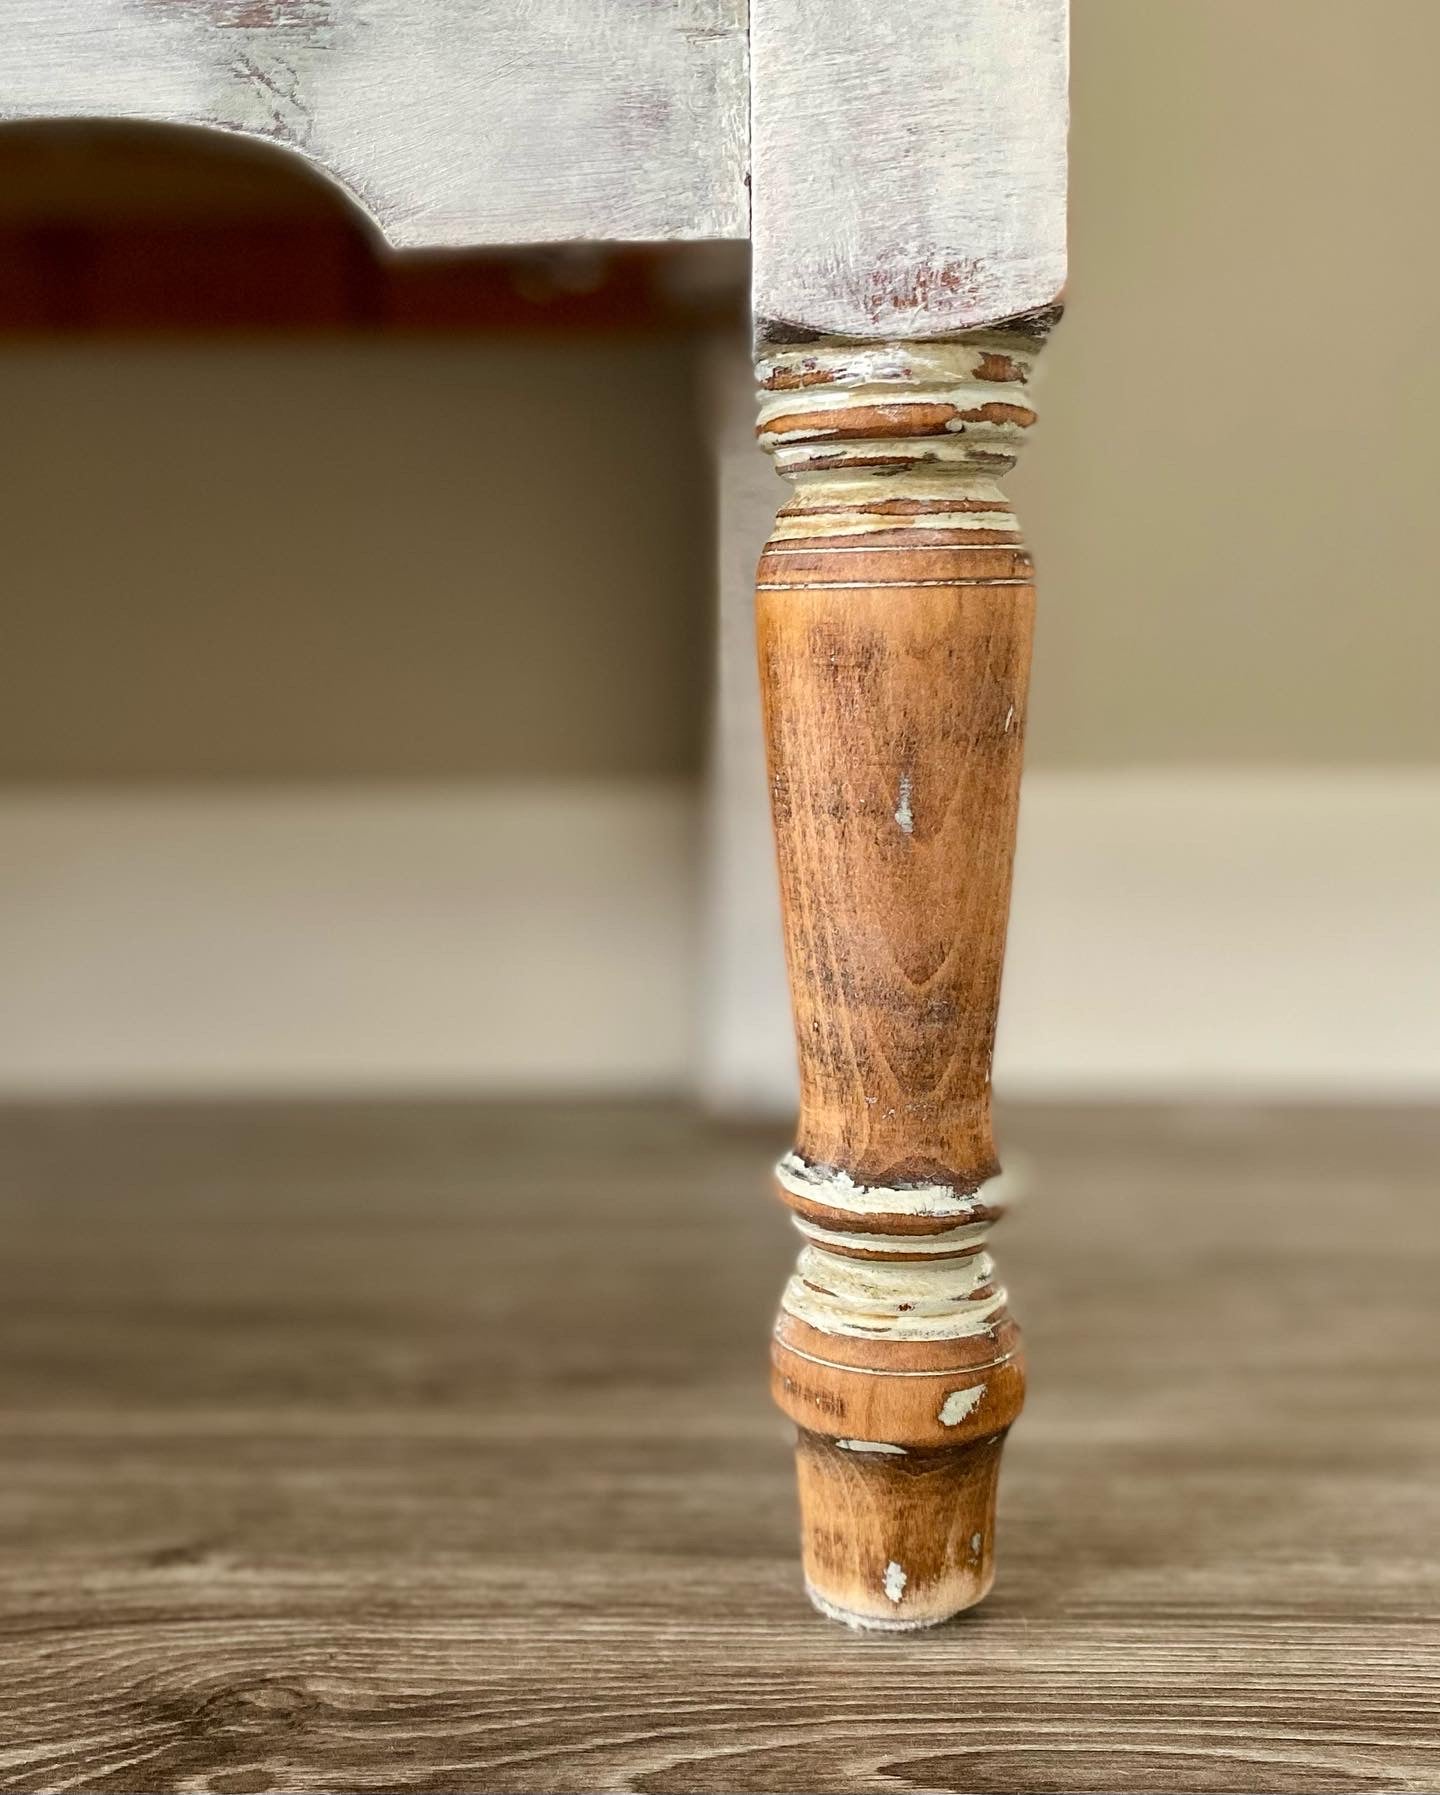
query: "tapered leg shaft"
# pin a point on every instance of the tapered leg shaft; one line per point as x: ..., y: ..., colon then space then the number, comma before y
x: 894, y: 609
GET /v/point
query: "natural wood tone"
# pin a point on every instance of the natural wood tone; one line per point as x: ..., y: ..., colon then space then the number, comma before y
x: 927, y: 1519
x: 308, y: 1485
x: 903, y: 699
x: 895, y: 609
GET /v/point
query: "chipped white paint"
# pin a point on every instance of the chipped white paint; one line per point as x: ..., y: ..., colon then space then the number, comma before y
x: 963, y: 396
x: 971, y: 413
x: 451, y: 122
x: 976, y: 1541
x: 827, y: 502
x: 770, y: 438
x: 960, y: 1403
x: 829, y: 1189
x: 870, y: 1446
x: 879, y: 1299
x: 904, y: 815
x: 946, y: 1245
x: 895, y: 1581
x: 796, y: 524
x: 951, y: 457
x: 809, y: 368
x: 909, y: 163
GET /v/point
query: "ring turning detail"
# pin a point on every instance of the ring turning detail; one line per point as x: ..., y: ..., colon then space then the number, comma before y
x: 894, y: 606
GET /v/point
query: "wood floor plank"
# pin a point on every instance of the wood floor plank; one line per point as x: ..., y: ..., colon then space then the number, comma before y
x: 426, y: 1447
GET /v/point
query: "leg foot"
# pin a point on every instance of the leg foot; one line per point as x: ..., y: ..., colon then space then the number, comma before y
x: 894, y: 1542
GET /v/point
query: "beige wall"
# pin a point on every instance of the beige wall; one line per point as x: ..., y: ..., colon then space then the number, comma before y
x: 358, y: 561
x: 349, y: 560
x: 1232, y: 488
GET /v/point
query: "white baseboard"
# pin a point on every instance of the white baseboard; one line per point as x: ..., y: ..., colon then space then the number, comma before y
x: 334, y: 939
x: 1268, y: 935
x: 1250, y: 934
x: 1247, y: 933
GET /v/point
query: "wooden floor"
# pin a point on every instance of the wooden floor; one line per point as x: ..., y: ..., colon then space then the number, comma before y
x: 427, y: 1448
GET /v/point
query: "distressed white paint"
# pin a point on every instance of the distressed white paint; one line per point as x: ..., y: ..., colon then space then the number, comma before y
x: 985, y: 417
x: 451, y: 122
x: 820, y: 399
x: 895, y: 1580
x: 870, y: 1446
x: 875, y: 585
x: 876, y: 1299
x: 799, y: 526
x: 908, y: 163
x: 946, y: 1244
x: 852, y: 365
x: 830, y: 1189
x: 960, y: 1403
x: 904, y: 814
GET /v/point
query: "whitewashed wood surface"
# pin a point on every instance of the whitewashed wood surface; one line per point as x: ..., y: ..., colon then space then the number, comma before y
x: 908, y: 160
x: 451, y: 122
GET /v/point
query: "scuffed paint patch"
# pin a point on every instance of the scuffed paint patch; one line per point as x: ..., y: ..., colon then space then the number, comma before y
x: 870, y: 1446
x: 960, y: 1403
x: 895, y: 1581
x: 830, y: 1188
x: 904, y: 815
x: 874, y: 1299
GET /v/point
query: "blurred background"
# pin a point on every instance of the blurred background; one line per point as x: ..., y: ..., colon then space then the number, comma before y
x: 358, y: 714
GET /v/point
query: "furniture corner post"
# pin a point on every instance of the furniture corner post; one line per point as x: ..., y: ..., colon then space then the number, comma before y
x: 894, y: 614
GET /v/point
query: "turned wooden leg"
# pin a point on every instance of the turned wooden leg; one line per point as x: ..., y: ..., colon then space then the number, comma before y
x: 895, y: 605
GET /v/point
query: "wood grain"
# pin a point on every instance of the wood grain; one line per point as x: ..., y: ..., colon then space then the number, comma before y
x: 450, y: 122
x: 308, y: 1487
x: 909, y: 164
x: 896, y: 715
x: 305, y: 1488
x: 895, y: 608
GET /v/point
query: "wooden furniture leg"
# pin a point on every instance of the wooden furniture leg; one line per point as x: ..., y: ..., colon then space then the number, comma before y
x: 894, y: 607
x: 905, y: 201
